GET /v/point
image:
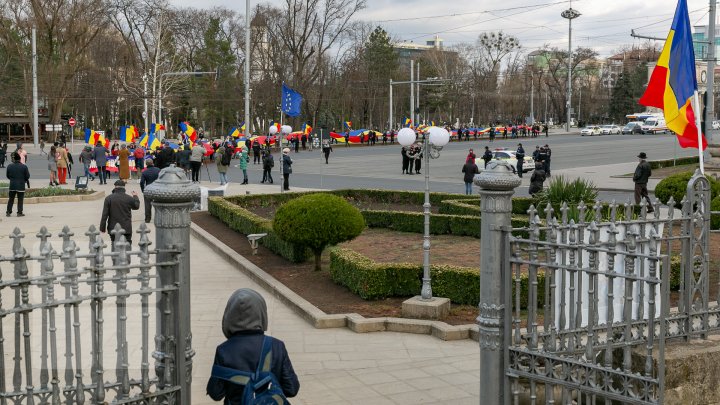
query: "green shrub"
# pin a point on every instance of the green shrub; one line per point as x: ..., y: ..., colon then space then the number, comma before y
x: 245, y: 222
x: 676, y: 186
x: 715, y: 218
x: 659, y: 164
x: 675, y: 272
x: 55, y: 191
x: 317, y: 221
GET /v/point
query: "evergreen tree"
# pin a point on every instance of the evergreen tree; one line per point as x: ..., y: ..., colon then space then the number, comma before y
x: 626, y: 93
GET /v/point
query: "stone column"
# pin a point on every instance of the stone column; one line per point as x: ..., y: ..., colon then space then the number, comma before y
x: 712, y: 166
x: 172, y: 196
x: 497, y: 184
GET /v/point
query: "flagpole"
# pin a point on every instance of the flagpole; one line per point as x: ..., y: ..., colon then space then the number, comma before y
x: 699, y: 132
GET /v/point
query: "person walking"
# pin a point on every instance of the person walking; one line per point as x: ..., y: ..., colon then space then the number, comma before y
x: 287, y: 168
x: 21, y: 152
x: 3, y: 153
x: 182, y: 157
x: 487, y: 156
x: 19, y: 177
x: 196, y: 157
x: 147, y: 177
x: 405, y: 160
x: 640, y: 178
x: 326, y: 148
x: 418, y: 158
x: 537, y: 179
x: 222, y: 163
x: 243, y: 164
x: 520, y: 156
x: 470, y: 169
x: 166, y: 157
x: 139, y: 156
x: 86, y: 157
x: 546, y: 162
x: 257, y: 158
x: 52, y: 165
x: 268, y: 163
x: 100, y: 156
x: 61, y: 158
x: 117, y: 209
x: 470, y: 155
x: 124, y: 159
x: 244, y: 323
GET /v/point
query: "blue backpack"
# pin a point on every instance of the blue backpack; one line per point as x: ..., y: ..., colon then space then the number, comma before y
x: 261, y: 387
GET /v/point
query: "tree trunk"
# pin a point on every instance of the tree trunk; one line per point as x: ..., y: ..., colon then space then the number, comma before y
x: 318, y: 256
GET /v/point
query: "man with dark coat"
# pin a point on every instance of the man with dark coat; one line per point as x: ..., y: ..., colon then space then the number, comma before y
x: 546, y: 162
x: 520, y: 156
x: 117, y: 209
x: 640, y: 178
x: 268, y: 163
x: 19, y: 177
x: 100, y: 155
x: 148, y: 177
x: 166, y: 156
x: 537, y: 179
x: 256, y: 152
x: 287, y: 168
x: 405, y: 159
x: 487, y: 156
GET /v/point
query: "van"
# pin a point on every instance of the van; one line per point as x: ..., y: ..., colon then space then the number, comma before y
x: 653, y: 125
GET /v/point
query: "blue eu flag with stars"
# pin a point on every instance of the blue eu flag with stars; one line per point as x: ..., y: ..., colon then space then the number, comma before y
x: 291, y: 101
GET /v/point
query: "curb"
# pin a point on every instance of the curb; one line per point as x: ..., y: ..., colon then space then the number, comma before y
x: 60, y: 198
x: 318, y: 318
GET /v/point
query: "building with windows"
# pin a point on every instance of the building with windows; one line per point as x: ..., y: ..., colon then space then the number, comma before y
x: 700, y: 39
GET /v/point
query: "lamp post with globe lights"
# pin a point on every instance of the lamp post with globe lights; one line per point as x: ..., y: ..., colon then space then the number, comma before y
x: 569, y: 14
x: 432, y: 145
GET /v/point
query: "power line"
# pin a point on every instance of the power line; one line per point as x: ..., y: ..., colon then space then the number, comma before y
x: 475, y: 12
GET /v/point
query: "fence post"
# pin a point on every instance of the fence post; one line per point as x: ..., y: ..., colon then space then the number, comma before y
x: 172, y: 196
x: 497, y: 184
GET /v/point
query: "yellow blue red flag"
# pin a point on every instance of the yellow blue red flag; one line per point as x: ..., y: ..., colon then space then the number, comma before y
x: 673, y: 82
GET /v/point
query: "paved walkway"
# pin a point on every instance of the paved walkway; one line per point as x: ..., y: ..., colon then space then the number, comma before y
x: 335, y: 366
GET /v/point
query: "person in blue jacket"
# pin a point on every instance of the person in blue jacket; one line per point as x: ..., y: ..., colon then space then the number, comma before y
x: 244, y: 324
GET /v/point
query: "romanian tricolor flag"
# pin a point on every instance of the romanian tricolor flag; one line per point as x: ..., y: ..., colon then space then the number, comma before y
x: 234, y: 132
x: 128, y: 134
x: 307, y: 130
x: 188, y: 130
x: 673, y: 83
x: 348, y: 124
x: 407, y: 123
x: 276, y: 125
x: 144, y: 141
x: 92, y: 138
x: 153, y: 142
x: 156, y: 127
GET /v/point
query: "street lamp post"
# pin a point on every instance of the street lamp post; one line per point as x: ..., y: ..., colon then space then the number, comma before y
x: 432, y: 145
x: 569, y: 14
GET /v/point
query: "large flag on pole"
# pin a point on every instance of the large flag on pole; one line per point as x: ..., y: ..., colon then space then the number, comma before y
x: 291, y: 101
x: 673, y: 84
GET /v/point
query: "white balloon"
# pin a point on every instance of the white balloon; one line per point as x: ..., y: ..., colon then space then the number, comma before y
x: 286, y: 129
x: 406, y: 137
x: 439, y: 136
x: 273, y: 130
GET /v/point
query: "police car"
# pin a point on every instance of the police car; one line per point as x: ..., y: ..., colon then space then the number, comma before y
x: 508, y: 156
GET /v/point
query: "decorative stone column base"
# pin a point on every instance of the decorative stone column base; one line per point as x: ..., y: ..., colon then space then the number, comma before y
x: 712, y: 165
x: 435, y: 308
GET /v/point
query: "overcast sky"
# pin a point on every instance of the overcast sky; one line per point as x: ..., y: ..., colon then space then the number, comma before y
x: 604, y: 24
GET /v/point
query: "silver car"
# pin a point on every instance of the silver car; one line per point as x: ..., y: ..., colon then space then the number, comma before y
x: 591, y: 130
x: 610, y: 130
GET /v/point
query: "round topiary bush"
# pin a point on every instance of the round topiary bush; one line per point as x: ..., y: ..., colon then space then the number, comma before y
x: 676, y: 186
x: 316, y: 221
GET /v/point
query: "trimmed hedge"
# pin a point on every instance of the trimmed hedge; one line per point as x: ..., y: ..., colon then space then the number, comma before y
x: 715, y: 218
x: 659, y: 164
x: 372, y: 280
x: 244, y: 221
x: 676, y: 186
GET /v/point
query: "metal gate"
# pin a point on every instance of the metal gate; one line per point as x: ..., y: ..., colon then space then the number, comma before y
x: 75, y: 324
x: 587, y: 304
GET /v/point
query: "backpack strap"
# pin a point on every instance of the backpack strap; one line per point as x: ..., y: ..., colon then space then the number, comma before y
x: 265, y: 362
x: 231, y: 375
x: 240, y: 377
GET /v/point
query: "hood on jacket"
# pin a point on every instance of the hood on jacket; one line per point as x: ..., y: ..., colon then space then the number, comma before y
x: 245, y: 311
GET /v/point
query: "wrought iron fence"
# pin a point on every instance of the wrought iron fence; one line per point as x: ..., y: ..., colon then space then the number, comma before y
x: 99, y: 298
x: 587, y: 302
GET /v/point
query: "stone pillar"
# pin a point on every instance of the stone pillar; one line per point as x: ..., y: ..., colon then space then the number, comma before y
x: 712, y: 166
x: 172, y: 196
x: 497, y: 184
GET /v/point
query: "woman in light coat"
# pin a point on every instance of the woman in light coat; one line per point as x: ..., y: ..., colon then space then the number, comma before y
x: 221, y: 168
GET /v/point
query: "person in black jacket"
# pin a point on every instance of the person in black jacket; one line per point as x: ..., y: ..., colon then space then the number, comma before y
x: 326, y: 148
x: 537, y: 179
x: 167, y: 156
x: 405, y: 159
x: 546, y: 162
x: 149, y: 175
x: 19, y: 177
x: 256, y: 152
x: 244, y: 324
x: 286, y: 168
x: 268, y: 162
x: 640, y: 178
x: 487, y: 156
x: 470, y: 169
x: 117, y: 209
x: 520, y: 156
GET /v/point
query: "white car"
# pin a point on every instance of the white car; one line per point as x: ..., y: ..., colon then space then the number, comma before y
x: 508, y: 156
x: 610, y: 130
x: 591, y: 130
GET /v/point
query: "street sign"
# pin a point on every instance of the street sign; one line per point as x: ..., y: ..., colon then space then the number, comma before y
x: 71, y: 122
x: 53, y: 127
x: 144, y: 115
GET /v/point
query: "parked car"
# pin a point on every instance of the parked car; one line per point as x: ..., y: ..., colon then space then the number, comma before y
x: 590, y: 130
x: 632, y: 128
x: 609, y: 130
x: 508, y: 156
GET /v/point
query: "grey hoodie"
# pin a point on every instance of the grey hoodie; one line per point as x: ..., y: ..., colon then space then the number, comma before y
x: 246, y: 310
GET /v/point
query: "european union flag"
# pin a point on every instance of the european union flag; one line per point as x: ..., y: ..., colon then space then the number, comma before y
x: 291, y: 101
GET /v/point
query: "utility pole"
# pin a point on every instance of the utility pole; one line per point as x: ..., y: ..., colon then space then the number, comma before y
x: 417, y: 97
x: 569, y: 14
x: 36, y: 124
x: 532, y: 98
x: 145, y: 102
x: 248, y: 124
x: 412, y: 93
x: 390, y: 112
x: 712, y: 135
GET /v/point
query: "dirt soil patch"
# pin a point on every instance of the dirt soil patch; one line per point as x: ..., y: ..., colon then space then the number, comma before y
x: 319, y: 289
